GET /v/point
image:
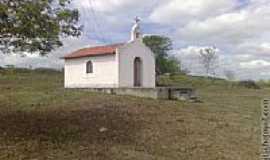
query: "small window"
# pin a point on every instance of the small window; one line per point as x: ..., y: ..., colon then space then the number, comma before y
x: 89, y: 67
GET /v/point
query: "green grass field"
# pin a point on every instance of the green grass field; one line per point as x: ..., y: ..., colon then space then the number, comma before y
x: 39, y: 120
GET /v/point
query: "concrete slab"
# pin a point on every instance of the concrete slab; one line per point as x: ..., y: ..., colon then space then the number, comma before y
x: 166, y: 93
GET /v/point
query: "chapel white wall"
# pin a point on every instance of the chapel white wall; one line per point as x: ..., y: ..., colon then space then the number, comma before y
x: 105, y: 72
x: 127, y: 54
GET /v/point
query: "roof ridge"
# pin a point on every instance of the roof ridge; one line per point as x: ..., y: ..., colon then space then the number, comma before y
x: 107, y: 45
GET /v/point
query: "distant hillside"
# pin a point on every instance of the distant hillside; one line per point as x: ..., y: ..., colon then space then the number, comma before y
x: 183, y: 80
x: 176, y: 80
x: 27, y: 70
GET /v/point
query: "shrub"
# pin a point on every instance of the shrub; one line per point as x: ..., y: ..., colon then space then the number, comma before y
x: 264, y: 83
x: 249, y: 84
x: 2, y: 70
x: 46, y: 70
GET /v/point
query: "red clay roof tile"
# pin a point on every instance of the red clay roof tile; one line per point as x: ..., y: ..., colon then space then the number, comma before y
x: 94, y: 51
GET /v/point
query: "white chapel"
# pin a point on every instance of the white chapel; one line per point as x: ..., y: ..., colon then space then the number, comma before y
x: 122, y: 65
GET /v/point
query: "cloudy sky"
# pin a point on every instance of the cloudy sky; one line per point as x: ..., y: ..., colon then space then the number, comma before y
x: 240, y: 29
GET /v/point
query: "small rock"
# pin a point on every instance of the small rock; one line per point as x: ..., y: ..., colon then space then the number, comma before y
x: 103, y: 129
x: 182, y: 149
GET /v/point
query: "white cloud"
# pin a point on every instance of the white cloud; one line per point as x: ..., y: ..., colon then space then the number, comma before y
x: 265, y: 74
x: 190, y: 51
x: 231, y: 28
x: 181, y: 11
x: 243, y: 57
x: 255, y: 64
x: 254, y: 49
x: 117, y: 7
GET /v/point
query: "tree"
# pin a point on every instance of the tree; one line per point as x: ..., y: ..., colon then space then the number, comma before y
x: 173, y: 65
x: 208, y: 57
x: 36, y: 25
x: 161, y: 46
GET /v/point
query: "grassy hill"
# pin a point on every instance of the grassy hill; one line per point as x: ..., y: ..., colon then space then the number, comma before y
x: 39, y: 119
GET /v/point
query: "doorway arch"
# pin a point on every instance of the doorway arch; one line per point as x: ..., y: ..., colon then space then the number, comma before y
x: 137, y: 72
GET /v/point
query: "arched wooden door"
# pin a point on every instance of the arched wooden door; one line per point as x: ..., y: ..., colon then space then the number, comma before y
x: 137, y: 72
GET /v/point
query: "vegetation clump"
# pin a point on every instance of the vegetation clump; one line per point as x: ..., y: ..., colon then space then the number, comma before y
x: 249, y: 84
x: 36, y: 26
x: 161, y: 46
